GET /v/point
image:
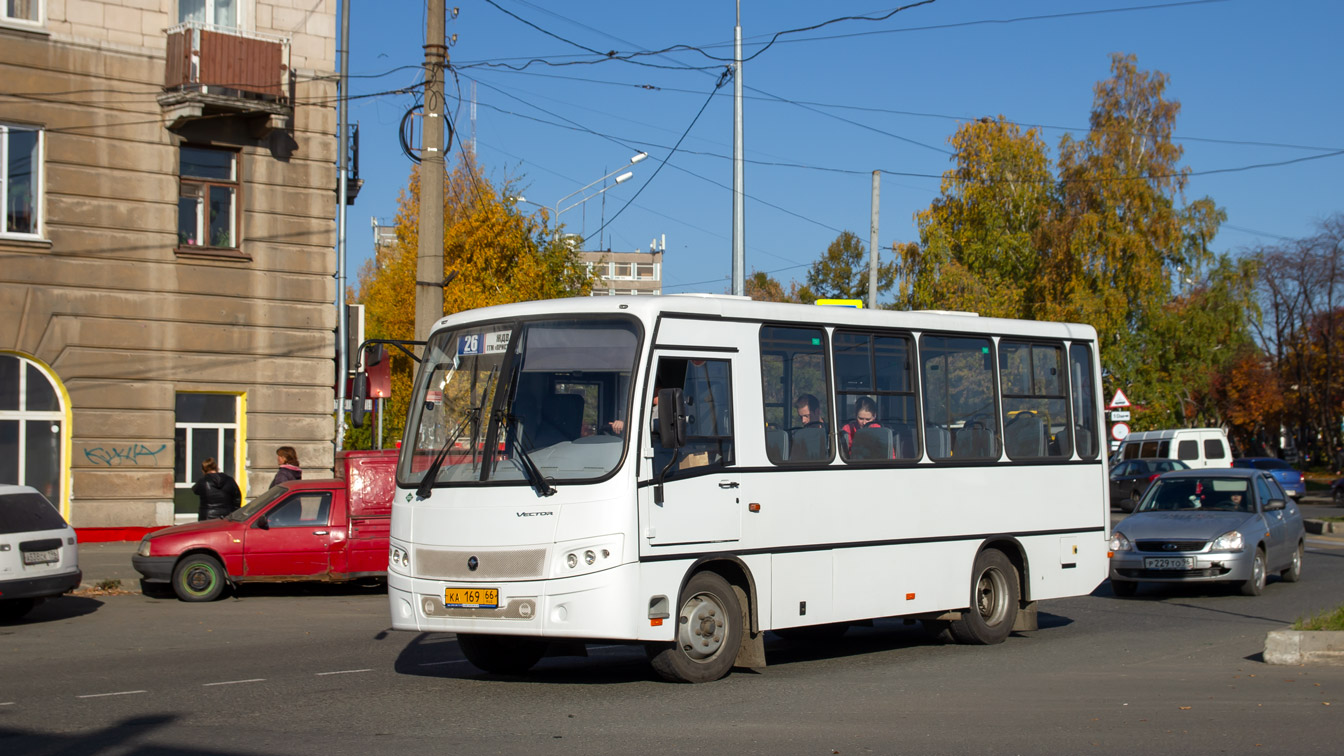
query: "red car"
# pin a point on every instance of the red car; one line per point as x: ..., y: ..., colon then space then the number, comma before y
x: 330, y: 530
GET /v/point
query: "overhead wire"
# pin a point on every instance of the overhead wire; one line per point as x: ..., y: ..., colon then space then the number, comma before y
x: 723, y: 79
x: 632, y: 144
x: 775, y: 37
x: 924, y: 114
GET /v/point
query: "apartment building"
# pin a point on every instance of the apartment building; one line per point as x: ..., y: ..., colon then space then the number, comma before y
x: 168, y: 178
x: 637, y: 272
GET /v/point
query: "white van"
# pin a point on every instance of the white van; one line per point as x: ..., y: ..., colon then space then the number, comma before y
x: 1197, y: 447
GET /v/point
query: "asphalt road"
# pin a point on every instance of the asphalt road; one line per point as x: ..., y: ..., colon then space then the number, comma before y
x: 285, y: 670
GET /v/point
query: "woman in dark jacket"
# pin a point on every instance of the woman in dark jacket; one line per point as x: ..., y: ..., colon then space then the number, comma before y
x: 218, y: 492
x: 288, y: 459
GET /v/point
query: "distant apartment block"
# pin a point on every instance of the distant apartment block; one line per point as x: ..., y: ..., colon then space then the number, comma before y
x: 168, y: 183
x: 636, y: 272
x: 384, y: 234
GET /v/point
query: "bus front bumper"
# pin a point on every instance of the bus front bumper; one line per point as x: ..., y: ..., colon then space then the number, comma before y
x: 599, y: 605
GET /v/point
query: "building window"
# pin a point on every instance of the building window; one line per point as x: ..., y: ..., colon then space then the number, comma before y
x: 20, y: 184
x: 216, y: 12
x: 206, y: 426
x: 32, y: 427
x: 22, y: 11
x: 207, y: 205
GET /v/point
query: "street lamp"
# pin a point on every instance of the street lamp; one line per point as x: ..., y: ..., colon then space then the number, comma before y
x: 619, y: 179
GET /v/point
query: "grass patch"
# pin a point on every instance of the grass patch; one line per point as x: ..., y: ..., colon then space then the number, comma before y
x: 108, y: 585
x: 1330, y: 619
x: 1329, y: 519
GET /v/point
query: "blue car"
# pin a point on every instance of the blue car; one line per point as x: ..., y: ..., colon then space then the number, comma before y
x: 1290, y: 479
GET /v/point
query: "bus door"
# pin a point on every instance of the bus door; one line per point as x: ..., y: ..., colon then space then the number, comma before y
x: 700, y: 486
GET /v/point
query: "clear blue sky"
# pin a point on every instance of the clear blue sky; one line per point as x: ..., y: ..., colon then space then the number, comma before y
x: 1258, y: 82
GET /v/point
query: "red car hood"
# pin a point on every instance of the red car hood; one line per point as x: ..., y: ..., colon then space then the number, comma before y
x: 205, y: 528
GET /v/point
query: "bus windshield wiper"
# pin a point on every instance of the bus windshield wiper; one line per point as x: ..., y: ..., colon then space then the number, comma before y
x: 473, y: 418
x: 432, y: 472
x: 525, y: 462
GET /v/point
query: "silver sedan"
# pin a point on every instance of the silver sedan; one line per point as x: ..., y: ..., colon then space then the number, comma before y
x: 1195, y: 526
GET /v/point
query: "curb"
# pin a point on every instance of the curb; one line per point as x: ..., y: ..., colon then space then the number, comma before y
x: 1322, y: 527
x: 1294, y: 647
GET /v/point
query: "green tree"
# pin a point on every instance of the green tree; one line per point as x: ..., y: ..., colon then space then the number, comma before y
x: 842, y: 272
x: 499, y: 255
x: 1108, y: 241
x: 980, y: 240
x: 762, y: 287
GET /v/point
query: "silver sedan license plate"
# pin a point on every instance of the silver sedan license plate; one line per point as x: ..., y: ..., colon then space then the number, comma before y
x: 42, y: 557
x: 1169, y: 563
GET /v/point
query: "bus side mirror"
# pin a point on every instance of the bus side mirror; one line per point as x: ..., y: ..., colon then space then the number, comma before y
x: 671, y: 419
x: 358, y: 393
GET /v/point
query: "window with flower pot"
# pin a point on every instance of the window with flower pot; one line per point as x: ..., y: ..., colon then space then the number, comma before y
x: 207, y: 203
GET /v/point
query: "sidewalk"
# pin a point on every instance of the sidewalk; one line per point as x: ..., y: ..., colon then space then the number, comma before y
x: 109, y: 561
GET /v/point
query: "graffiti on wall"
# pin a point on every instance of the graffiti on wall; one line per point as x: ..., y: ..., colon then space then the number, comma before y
x: 117, y: 456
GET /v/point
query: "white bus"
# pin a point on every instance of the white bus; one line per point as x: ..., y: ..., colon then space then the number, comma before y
x: 688, y: 472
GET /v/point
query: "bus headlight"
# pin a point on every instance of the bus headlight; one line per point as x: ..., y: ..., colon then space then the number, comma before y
x: 586, y: 556
x: 399, y: 558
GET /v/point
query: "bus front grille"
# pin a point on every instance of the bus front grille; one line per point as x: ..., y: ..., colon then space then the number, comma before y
x: 454, y: 564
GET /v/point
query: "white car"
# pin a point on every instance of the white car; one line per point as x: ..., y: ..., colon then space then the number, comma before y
x: 39, y: 556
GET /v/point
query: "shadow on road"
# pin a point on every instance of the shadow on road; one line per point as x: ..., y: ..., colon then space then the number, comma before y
x: 57, y: 609
x: 244, y: 591
x: 118, y: 738
x: 438, y: 654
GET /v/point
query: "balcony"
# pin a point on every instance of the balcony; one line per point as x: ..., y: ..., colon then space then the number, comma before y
x: 214, y: 71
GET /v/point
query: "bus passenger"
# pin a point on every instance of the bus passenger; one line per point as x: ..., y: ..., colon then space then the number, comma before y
x: 865, y: 416
x: 809, y: 411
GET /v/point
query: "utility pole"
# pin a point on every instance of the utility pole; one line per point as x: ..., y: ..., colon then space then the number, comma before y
x: 342, y: 185
x: 739, y: 217
x: 872, y: 244
x: 429, y: 257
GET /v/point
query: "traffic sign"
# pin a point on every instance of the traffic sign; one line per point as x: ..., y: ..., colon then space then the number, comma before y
x: 1120, y: 400
x: 1119, y: 431
x: 1118, y: 415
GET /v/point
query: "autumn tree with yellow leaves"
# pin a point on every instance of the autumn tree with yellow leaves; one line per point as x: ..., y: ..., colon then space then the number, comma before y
x: 499, y: 255
x: 1102, y: 236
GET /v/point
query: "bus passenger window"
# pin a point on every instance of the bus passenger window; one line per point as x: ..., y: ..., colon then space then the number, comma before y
x: 1084, y: 401
x: 959, y: 411
x: 799, y: 424
x: 875, y: 395
x: 1035, y: 417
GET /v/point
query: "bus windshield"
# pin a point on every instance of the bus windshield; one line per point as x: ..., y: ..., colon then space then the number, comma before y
x: 531, y: 402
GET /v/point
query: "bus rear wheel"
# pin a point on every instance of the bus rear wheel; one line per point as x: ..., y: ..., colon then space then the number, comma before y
x: 994, y: 599
x: 709, y: 633
x: 501, y: 654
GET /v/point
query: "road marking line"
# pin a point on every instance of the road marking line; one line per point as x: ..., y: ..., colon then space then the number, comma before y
x: 344, y: 672
x: 234, y: 682
x: 439, y: 663
x: 7, y: 703
x: 118, y: 693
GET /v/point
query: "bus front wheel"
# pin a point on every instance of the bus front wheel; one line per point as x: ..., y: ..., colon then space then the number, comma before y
x: 501, y: 654
x: 709, y: 633
x: 994, y: 599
